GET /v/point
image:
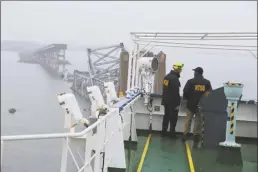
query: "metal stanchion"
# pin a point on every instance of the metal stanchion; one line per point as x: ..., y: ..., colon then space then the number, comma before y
x: 229, y: 150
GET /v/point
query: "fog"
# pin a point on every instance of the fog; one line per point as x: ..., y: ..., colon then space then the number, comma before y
x: 96, y: 24
x: 105, y: 23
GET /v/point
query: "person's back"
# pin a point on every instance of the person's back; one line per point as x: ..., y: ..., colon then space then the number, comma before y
x: 193, y: 91
x: 171, y: 99
x: 199, y: 85
x: 170, y: 94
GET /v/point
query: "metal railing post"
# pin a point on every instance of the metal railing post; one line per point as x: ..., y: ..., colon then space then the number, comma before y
x: 67, y: 126
x: 2, y: 150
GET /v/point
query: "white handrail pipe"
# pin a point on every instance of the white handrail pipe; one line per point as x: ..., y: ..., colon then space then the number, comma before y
x: 55, y: 135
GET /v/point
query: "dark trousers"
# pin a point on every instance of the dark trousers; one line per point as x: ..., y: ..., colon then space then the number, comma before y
x: 171, y: 116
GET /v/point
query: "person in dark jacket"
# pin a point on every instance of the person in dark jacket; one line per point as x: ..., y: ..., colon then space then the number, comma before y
x: 171, y: 99
x: 192, y: 93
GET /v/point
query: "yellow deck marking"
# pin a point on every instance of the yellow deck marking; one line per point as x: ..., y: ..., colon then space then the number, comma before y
x: 145, y: 150
x: 189, y: 157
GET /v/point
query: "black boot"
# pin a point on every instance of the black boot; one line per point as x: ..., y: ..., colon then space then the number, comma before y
x: 172, y: 134
x: 164, y: 133
x: 184, y: 137
x: 196, y: 141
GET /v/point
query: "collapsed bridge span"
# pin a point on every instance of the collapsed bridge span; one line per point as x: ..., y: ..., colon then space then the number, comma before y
x: 103, y: 66
x: 51, y: 57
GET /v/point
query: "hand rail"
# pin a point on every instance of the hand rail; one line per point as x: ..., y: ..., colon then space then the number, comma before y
x: 55, y: 135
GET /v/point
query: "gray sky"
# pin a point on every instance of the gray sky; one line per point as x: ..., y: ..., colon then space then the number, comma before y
x: 91, y: 24
x: 95, y: 23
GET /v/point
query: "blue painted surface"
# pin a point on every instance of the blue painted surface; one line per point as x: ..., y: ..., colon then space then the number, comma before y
x: 124, y: 101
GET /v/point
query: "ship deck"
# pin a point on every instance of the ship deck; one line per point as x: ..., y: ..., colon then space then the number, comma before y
x: 166, y: 155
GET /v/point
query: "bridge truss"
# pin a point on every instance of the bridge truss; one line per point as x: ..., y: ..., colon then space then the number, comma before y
x: 52, y: 58
x: 103, y: 66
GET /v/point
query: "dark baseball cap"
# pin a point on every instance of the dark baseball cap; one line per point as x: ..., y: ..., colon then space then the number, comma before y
x: 198, y: 70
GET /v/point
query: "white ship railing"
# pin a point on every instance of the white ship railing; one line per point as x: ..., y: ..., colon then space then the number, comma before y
x: 104, y: 141
x: 86, y: 133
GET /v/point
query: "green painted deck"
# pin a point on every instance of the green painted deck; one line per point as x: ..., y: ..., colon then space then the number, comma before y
x: 169, y: 155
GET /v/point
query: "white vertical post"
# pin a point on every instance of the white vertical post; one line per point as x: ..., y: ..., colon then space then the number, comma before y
x: 133, y: 124
x: 126, y: 123
x: 136, y: 67
x: 233, y: 92
x: 115, y: 152
x: 2, y: 150
x: 99, y: 146
x: 89, y: 142
x: 64, y: 155
x: 129, y: 124
x: 133, y: 67
x: 67, y: 125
